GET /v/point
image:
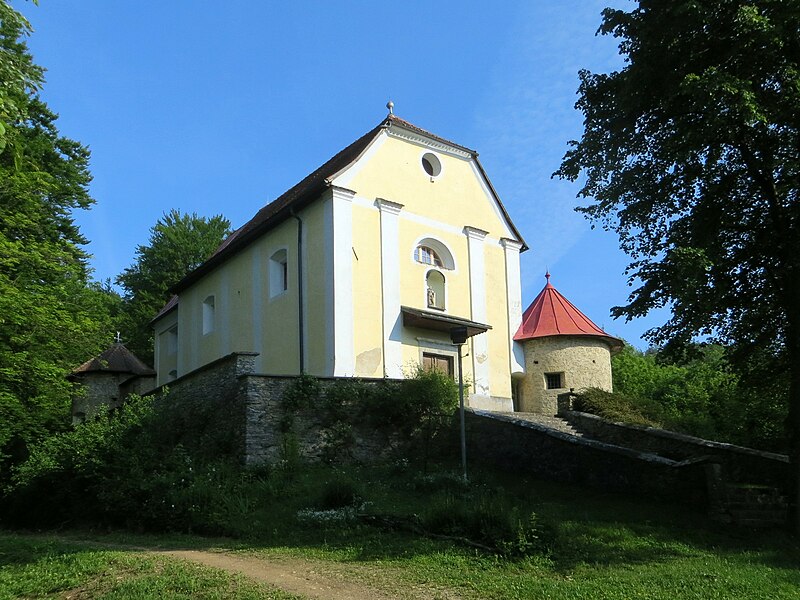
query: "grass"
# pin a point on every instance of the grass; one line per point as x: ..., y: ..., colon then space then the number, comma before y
x: 594, y: 545
x: 48, y: 567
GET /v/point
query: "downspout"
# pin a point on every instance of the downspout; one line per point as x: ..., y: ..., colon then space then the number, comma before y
x: 300, y: 323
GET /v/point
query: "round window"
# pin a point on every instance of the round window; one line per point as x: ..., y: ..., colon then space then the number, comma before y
x: 431, y: 164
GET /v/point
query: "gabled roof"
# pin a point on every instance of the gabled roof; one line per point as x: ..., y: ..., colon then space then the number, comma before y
x: 308, y: 190
x: 551, y: 314
x: 115, y: 359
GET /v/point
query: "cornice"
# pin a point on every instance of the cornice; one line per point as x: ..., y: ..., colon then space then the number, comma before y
x: 510, y: 244
x: 474, y: 233
x: 388, y: 206
x: 397, y: 131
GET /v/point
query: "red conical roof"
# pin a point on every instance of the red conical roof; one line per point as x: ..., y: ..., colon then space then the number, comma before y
x: 552, y: 314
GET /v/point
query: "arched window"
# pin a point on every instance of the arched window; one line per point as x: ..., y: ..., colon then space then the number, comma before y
x: 435, y: 290
x: 430, y: 251
x: 208, y: 315
x: 278, y: 273
x: 427, y: 256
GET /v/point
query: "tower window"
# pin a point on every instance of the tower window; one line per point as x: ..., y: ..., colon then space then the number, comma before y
x: 554, y: 381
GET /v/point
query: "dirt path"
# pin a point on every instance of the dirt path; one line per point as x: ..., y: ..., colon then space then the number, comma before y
x: 292, y: 575
x: 304, y: 577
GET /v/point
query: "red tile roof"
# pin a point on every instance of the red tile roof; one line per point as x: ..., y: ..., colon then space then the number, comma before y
x: 308, y: 190
x: 552, y: 314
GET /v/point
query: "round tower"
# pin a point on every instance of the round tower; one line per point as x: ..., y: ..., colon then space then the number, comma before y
x: 563, y: 351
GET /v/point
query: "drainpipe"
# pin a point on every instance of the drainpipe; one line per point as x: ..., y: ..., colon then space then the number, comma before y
x: 300, y: 287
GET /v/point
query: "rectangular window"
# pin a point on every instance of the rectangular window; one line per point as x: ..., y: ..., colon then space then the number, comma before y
x: 554, y: 381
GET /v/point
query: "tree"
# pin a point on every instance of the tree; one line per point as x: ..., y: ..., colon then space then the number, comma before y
x: 689, y: 153
x: 52, y: 318
x: 178, y: 244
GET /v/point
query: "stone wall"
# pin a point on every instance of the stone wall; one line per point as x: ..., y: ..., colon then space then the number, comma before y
x: 744, y: 465
x: 311, y: 436
x: 208, y: 403
x: 505, y: 442
x: 249, y: 408
x: 583, y: 363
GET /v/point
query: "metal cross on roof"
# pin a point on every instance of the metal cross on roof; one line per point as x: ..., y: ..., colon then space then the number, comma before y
x: 118, y: 339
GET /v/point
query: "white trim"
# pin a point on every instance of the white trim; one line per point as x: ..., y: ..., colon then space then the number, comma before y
x: 343, y: 354
x: 274, y: 279
x: 390, y: 287
x: 445, y: 254
x: 371, y: 204
x: 303, y: 282
x: 492, y: 199
x: 422, y: 154
x: 477, y: 296
x: 397, y: 131
x: 258, y: 293
x: 225, y: 303
x: 430, y: 269
x: 514, y: 303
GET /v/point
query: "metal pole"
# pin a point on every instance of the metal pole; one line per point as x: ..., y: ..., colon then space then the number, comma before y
x: 461, y: 407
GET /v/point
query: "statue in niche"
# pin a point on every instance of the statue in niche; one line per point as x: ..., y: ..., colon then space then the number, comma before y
x: 431, y: 298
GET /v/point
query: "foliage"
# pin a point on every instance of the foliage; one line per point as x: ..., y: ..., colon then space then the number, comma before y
x: 618, y: 408
x: 696, y: 392
x: 178, y: 244
x: 51, y: 317
x: 590, y: 543
x: 411, y: 414
x: 489, y: 520
x: 689, y: 153
x: 339, y: 492
x: 143, y: 466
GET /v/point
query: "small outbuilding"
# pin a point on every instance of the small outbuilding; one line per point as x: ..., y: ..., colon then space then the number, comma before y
x: 107, y: 379
x: 563, y: 351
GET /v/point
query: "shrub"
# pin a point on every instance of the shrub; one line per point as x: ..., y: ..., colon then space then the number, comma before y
x: 617, y: 407
x: 338, y: 493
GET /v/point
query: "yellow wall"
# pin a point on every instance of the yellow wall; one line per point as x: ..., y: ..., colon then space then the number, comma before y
x: 438, y: 209
x: 368, y: 332
x: 249, y: 319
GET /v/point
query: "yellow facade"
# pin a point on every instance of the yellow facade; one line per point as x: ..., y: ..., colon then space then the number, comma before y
x: 360, y: 267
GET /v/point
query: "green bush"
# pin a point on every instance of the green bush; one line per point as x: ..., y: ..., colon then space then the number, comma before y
x: 338, y: 493
x: 618, y: 408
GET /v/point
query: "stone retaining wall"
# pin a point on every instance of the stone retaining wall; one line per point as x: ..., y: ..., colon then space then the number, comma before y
x: 740, y: 464
x: 517, y: 445
x: 248, y: 413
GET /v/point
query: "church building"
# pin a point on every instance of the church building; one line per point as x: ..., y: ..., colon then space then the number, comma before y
x: 362, y: 269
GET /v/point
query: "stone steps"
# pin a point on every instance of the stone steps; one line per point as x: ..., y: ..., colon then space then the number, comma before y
x: 552, y: 422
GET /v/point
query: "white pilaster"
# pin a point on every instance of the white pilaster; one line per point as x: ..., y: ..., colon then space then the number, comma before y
x: 514, y: 295
x: 259, y: 292
x: 477, y: 295
x: 341, y: 354
x: 390, y: 287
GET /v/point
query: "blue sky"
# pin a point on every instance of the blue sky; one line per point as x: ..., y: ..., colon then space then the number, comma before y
x: 219, y: 107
